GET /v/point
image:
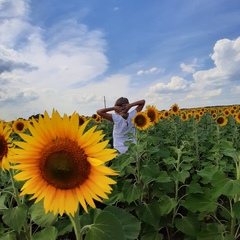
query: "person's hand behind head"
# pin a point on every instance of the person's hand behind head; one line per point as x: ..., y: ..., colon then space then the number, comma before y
x: 125, y: 107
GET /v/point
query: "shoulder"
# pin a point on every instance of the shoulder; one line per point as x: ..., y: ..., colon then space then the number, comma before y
x: 133, y: 113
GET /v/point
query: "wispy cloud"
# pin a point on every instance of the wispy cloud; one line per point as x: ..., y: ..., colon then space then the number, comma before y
x: 150, y: 71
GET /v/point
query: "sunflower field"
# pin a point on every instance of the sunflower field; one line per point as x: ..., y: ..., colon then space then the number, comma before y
x: 61, y: 178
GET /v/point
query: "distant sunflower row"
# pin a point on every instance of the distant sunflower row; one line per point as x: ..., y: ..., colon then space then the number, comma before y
x: 152, y: 115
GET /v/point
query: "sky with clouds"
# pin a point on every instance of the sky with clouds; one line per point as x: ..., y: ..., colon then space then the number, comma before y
x: 82, y: 55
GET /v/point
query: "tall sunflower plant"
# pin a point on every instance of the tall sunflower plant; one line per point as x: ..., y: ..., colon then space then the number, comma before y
x: 55, y: 178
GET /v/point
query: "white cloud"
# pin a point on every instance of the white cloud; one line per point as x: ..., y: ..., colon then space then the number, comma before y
x: 220, y: 82
x: 187, y: 68
x: 176, y: 84
x: 39, y: 67
x: 150, y: 71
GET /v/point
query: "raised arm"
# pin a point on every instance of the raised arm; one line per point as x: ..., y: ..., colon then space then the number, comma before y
x: 104, y: 112
x: 140, y: 104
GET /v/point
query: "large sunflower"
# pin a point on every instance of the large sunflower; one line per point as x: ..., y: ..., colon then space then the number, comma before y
x: 63, y: 164
x: 141, y: 121
x: 5, y: 145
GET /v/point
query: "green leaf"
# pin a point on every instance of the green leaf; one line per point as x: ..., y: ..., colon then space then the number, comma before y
x: 39, y: 216
x: 224, y: 186
x: 211, y: 231
x: 149, y: 171
x: 49, y: 233
x: 200, y: 202
x: 180, y: 176
x: 106, y: 227
x: 194, y: 187
x: 131, y: 192
x: 9, y: 236
x: 2, y: 202
x: 188, y: 225
x: 151, y: 234
x: 236, y: 210
x: 163, y: 177
x: 187, y: 159
x: 131, y: 225
x: 63, y: 226
x: 15, y: 217
x: 149, y: 213
x: 166, y: 204
x: 169, y: 160
x: 207, y: 173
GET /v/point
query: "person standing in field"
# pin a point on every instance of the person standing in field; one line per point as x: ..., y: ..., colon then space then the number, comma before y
x: 122, y: 120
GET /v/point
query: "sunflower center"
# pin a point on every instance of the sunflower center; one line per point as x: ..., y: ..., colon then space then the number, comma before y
x: 3, y: 147
x: 140, y: 120
x: 220, y: 120
x: 20, y: 126
x: 64, y: 165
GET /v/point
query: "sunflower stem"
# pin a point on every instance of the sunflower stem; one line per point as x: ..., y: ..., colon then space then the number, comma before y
x: 27, y: 230
x: 76, y: 225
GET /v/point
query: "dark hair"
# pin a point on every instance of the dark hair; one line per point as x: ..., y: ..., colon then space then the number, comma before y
x: 120, y: 101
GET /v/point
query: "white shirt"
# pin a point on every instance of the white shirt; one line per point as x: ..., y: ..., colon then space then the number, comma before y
x: 120, y: 128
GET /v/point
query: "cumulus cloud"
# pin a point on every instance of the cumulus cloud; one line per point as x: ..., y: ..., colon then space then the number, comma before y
x: 150, y: 71
x: 38, y: 64
x: 221, y: 80
x: 189, y: 68
x: 176, y: 84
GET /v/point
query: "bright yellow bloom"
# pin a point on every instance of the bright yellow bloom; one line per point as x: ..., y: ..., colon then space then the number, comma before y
x: 5, y: 145
x: 141, y: 121
x: 63, y: 164
x: 152, y: 113
x: 20, y: 125
x: 221, y: 121
x: 174, y: 109
x: 237, y: 117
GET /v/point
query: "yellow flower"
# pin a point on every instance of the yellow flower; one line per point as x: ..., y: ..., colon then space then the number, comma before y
x: 20, y: 125
x: 141, y: 121
x: 174, y: 109
x: 152, y: 113
x: 221, y: 121
x: 5, y: 145
x: 237, y: 117
x: 63, y: 164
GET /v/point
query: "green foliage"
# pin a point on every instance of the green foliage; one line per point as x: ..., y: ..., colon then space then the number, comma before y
x: 181, y: 181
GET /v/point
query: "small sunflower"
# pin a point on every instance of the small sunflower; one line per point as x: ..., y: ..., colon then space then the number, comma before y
x: 141, y: 121
x: 237, y: 117
x: 20, y: 125
x: 82, y: 120
x: 174, y: 109
x: 226, y: 112
x: 197, y: 116
x: 63, y: 164
x: 152, y: 113
x: 221, y: 121
x: 96, y: 118
x: 166, y: 114
x: 214, y: 115
x: 184, y: 116
x: 5, y: 145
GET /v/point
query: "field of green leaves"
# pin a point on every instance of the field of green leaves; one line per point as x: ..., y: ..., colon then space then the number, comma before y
x: 180, y: 181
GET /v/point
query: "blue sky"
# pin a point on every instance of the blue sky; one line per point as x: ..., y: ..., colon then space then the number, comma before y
x: 69, y: 55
